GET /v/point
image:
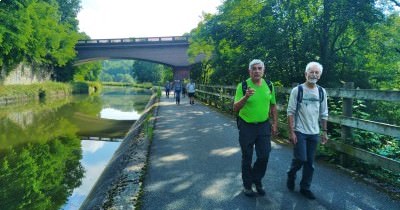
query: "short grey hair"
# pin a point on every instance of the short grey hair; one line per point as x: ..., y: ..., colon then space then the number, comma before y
x: 313, y: 63
x: 256, y: 61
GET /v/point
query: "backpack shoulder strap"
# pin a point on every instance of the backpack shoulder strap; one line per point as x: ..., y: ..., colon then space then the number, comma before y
x: 321, y: 94
x: 244, y: 87
x: 299, y: 94
x: 270, y: 85
x: 298, y: 102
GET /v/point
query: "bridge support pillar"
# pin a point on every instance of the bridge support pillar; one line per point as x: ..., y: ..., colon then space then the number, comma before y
x: 181, y: 73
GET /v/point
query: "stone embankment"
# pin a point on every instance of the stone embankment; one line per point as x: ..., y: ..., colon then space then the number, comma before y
x: 119, y: 185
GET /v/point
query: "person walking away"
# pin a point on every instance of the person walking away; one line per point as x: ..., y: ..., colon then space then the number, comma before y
x: 307, y: 108
x: 177, y: 90
x: 184, y: 90
x: 191, y: 88
x: 167, y: 89
x: 255, y: 104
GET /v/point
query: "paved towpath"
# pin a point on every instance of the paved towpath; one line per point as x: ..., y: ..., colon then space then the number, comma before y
x: 195, y: 164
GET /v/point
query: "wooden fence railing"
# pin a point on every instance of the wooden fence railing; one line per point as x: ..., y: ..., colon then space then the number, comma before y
x: 222, y: 98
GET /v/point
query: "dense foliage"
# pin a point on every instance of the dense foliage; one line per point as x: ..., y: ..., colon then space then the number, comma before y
x: 117, y: 71
x: 129, y: 71
x: 355, y: 41
x: 87, y: 72
x: 41, y: 32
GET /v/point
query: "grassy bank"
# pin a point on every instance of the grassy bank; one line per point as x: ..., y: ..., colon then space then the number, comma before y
x: 86, y: 87
x: 12, y: 93
x: 145, y: 85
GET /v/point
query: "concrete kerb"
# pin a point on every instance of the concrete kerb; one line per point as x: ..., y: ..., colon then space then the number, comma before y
x: 119, y: 185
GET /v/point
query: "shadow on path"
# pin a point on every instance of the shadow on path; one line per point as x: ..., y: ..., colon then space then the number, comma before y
x: 195, y: 164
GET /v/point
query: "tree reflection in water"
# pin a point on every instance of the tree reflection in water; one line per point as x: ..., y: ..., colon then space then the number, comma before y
x: 40, y: 175
x: 39, y: 156
x: 40, y: 150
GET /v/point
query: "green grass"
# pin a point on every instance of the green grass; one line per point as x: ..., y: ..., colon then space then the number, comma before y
x: 138, y: 85
x: 34, y: 90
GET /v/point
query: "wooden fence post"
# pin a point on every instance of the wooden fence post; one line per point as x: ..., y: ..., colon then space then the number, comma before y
x: 347, y: 110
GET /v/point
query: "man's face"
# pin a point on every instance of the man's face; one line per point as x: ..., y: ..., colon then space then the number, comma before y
x: 256, y: 72
x: 313, y: 75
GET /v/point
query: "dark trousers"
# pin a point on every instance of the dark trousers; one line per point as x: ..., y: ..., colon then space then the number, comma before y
x: 178, y: 97
x: 258, y: 137
x: 304, y: 153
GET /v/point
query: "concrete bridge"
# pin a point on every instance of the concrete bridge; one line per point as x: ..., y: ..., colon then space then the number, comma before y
x: 169, y: 51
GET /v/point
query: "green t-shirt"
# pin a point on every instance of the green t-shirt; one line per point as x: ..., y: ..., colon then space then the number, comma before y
x: 256, y: 109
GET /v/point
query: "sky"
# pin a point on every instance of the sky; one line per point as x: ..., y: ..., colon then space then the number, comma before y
x: 106, y: 19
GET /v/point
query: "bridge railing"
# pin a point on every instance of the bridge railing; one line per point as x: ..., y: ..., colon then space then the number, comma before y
x: 222, y: 97
x: 142, y: 40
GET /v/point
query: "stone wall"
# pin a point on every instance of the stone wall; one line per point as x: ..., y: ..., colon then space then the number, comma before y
x: 25, y: 74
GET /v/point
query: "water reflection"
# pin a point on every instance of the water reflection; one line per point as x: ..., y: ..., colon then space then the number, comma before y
x: 96, y: 155
x: 40, y: 174
x: 110, y: 113
x: 40, y: 148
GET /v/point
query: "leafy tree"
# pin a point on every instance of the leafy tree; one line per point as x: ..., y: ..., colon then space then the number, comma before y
x: 287, y: 35
x: 146, y: 72
x: 69, y: 11
x: 105, y: 77
x: 126, y: 78
x: 32, y: 31
x: 50, y: 42
x: 112, y: 68
x: 166, y: 75
x: 14, y: 32
x: 382, y: 59
x: 87, y: 72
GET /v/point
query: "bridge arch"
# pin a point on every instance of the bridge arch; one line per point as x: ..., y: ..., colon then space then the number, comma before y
x: 169, y: 51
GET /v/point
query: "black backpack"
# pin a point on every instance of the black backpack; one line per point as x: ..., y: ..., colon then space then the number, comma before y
x: 300, y: 99
x: 300, y: 95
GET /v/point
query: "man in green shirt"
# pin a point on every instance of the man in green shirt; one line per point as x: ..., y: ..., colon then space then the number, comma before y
x: 255, y: 106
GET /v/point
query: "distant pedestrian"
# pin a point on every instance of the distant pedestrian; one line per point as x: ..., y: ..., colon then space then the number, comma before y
x: 184, y: 90
x: 167, y: 89
x: 191, y: 88
x: 307, y: 108
x: 255, y: 101
x: 177, y: 91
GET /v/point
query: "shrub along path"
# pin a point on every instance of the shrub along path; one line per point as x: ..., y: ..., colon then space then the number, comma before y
x: 195, y: 164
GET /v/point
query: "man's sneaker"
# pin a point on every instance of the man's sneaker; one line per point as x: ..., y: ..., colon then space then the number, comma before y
x: 260, y: 190
x: 307, y: 193
x: 290, y: 184
x: 249, y: 192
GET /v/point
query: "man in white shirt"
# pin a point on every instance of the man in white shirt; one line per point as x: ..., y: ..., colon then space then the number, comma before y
x: 307, y: 108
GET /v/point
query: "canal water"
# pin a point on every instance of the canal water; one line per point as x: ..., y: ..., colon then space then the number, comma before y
x: 52, y: 152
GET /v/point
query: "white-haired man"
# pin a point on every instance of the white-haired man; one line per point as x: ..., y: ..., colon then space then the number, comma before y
x: 254, y: 99
x: 307, y: 108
